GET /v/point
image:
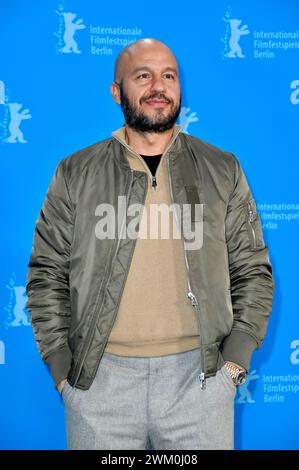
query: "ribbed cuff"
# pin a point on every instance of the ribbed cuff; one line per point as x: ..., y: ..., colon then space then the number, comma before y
x: 238, y: 347
x: 59, y: 362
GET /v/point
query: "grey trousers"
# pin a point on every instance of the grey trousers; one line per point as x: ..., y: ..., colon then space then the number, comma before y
x: 151, y: 403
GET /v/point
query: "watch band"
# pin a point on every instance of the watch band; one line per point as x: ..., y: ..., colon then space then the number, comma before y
x: 237, y: 374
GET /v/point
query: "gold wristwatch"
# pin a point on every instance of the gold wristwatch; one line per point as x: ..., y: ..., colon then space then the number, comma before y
x: 237, y: 374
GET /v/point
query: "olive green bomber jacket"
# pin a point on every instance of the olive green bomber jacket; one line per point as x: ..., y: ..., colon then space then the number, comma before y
x: 75, y: 280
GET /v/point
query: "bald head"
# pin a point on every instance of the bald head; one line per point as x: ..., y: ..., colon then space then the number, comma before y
x: 130, y: 54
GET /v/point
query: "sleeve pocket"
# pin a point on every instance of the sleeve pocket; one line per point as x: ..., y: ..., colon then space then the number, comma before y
x: 253, y: 225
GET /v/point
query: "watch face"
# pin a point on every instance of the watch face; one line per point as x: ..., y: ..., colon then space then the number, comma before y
x: 241, y: 378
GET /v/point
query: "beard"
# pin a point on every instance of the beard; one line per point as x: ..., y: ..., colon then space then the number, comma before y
x: 143, y: 123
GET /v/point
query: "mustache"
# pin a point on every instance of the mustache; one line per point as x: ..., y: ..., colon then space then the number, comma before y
x: 158, y: 97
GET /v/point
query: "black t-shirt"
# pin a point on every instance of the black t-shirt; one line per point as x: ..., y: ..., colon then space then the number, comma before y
x: 152, y: 162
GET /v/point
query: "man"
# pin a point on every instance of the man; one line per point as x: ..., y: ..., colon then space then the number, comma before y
x: 147, y: 338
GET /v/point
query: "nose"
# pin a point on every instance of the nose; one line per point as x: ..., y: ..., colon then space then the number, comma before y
x: 158, y: 84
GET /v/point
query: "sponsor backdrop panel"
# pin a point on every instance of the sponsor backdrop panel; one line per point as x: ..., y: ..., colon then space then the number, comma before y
x: 240, y: 91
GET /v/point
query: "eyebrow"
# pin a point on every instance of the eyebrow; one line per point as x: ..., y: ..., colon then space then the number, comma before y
x: 137, y: 69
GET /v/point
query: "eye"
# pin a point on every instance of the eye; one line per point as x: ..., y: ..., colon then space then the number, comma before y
x: 143, y: 74
x: 170, y: 75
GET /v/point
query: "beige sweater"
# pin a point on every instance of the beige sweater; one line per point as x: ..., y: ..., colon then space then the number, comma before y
x: 155, y: 317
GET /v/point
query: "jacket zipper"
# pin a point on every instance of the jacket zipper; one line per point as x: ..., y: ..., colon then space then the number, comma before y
x: 250, y: 220
x: 91, y: 328
x: 154, y: 182
x: 148, y: 171
x: 190, y: 294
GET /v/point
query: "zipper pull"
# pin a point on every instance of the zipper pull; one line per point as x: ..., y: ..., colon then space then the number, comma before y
x: 202, y: 381
x: 154, y: 181
x: 250, y: 213
x: 192, y: 297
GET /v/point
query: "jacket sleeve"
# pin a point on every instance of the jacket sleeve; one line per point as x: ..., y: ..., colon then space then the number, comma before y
x: 47, y: 284
x: 251, y: 280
